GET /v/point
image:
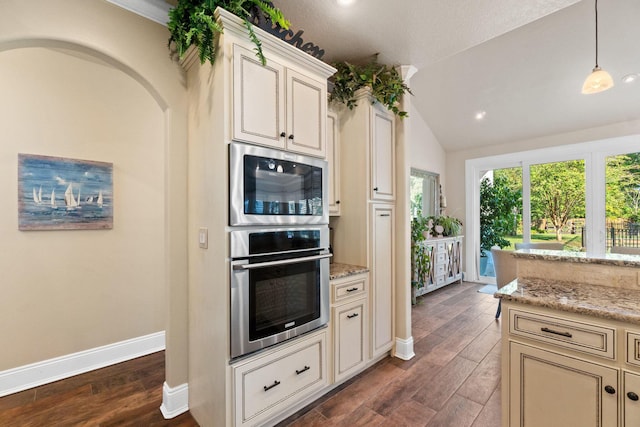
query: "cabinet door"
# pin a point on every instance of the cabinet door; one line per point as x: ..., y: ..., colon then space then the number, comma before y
x: 631, y: 404
x: 333, y: 158
x: 306, y: 114
x: 383, y: 154
x: 258, y: 99
x: 349, y: 322
x: 382, y: 295
x: 553, y: 390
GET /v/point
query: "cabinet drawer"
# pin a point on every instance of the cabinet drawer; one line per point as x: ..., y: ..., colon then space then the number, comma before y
x: 346, y: 289
x: 441, y: 269
x: 583, y: 337
x: 440, y: 246
x: 269, y: 384
x: 440, y: 280
x: 441, y: 258
x: 633, y: 348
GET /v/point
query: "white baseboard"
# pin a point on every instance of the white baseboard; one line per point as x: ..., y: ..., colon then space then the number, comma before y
x: 39, y: 373
x: 404, y: 348
x: 175, y: 401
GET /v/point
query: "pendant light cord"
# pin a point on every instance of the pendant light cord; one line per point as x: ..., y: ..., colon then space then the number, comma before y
x: 596, y: 33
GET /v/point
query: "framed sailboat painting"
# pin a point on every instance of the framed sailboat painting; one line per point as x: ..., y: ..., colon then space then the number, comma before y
x: 56, y: 193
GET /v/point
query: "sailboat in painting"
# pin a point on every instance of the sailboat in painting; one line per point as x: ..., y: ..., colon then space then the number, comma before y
x: 100, y: 200
x: 53, y: 199
x: 37, y: 197
x: 69, y: 199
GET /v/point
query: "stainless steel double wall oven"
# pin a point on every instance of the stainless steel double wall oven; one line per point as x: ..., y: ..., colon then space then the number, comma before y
x: 279, y: 239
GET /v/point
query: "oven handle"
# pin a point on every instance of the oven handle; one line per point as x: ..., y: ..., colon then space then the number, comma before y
x: 280, y: 262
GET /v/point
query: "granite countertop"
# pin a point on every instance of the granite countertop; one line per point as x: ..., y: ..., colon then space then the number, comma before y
x: 621, y: 260
x: 600, y: 301
x: 338, y: 270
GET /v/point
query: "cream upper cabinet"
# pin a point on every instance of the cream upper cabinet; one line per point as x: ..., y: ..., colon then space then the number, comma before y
x: 383, y: 158
x: 333, y: 159
x: 278, y: 106
x: 258, y: 99
x: 550, y: 389
x: 382, y: 270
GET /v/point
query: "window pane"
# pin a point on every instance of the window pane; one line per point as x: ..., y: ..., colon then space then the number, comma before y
x: 622, y: 201
x: 558, y: 203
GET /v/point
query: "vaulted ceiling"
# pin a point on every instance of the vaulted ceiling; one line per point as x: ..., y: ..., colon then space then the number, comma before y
x: 521, y: 61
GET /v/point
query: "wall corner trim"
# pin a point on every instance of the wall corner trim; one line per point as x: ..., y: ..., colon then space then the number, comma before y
x: 404, y: 348
x: 175, y: 400
x: 46, y: 371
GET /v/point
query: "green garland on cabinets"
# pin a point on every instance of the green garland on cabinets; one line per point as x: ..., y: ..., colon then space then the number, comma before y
x: 192, y: 22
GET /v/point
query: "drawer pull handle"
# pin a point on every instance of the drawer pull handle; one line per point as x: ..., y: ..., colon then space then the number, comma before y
x: 282, y: 134
x: 631, y: 395
x: 610, y: 389
x: 352, y: 289
x: 269, y: 387
x: 551, y: 331
x: 385, y: 214
x: 351, y: 316
x: 291, y: 137
x: 305, y: 369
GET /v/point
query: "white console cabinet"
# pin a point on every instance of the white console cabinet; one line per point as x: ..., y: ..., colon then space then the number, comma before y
x: 445, y: 258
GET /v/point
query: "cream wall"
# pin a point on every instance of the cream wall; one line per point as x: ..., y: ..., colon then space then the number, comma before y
x: 85, y: 79
x: 425, y: 152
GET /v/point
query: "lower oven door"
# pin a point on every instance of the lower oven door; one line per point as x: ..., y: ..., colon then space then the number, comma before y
x: 272, y: 301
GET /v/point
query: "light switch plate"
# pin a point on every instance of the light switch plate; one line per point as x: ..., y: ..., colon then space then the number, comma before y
x: 203, y: 238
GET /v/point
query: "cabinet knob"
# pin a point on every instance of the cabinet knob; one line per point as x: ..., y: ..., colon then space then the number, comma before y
x: 631, y: 395
x: 337, y: 202
x: 282, y: 134
x: 610, y: 389
x: 291, y: 137
x: 375, y: 188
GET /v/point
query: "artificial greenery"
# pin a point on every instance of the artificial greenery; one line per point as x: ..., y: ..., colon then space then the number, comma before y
x: 420, y: 253
x: 386, y: 84
x: 192, y: 22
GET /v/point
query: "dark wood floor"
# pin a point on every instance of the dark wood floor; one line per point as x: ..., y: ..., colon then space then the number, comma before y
x: 454, y: 380
x: 126, y: 394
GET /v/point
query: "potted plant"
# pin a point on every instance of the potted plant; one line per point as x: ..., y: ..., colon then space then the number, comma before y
x: 451, y: 226
x: 386, y: 84
x: 192, y: 22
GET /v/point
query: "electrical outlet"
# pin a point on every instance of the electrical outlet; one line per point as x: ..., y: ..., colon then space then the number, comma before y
x: 203, y: 238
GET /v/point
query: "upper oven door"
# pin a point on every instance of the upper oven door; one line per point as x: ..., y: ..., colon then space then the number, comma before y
x: 273, y: 187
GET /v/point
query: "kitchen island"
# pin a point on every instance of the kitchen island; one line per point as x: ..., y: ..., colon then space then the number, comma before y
x: 571, y: 340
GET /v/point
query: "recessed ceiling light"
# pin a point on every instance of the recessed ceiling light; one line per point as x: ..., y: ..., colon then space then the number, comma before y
x: 630, y: 78
x: 480, y: 115
x: 345, y: 2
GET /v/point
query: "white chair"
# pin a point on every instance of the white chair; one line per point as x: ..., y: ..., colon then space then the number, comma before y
x: 506, y: 270
x: 555, y: 246
x: 625, y: 250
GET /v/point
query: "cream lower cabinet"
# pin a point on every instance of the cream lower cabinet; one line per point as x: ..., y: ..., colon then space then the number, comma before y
x: 349, y: 318
x: 550, y: 389
x: 563, y: 369
x: 267, y: 384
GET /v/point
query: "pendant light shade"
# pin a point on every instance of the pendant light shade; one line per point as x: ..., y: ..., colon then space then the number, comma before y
x: 599, y: 80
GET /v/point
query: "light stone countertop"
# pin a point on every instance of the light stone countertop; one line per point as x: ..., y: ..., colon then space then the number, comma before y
x: 621, y: 260
x: 600, y: 301
x: 337, y: 270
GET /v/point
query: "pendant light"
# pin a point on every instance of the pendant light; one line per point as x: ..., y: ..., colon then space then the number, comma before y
x: 599, y: 80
